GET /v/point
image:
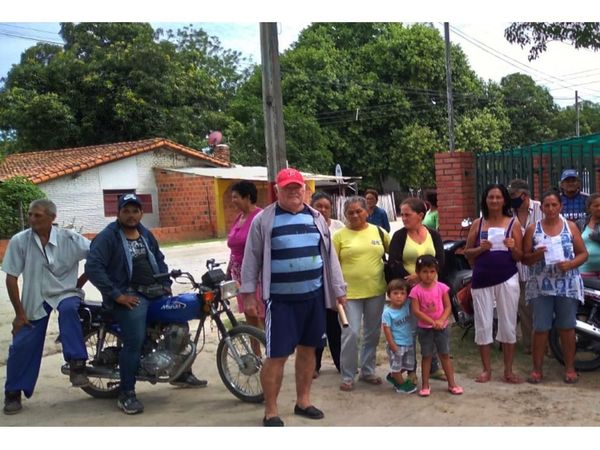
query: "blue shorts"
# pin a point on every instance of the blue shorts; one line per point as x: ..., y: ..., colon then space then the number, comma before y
x: 551, y: 310
x: 289, y: 324
x: 430, y: 338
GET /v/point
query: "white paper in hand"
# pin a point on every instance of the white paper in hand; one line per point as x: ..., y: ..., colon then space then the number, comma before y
x: 554, y: 250
x: 496, y: 237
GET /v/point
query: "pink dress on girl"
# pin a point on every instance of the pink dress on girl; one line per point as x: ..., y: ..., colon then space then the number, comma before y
x: 236, y: 241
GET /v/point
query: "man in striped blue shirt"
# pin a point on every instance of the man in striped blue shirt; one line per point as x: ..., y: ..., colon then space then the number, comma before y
x: 289, y: 249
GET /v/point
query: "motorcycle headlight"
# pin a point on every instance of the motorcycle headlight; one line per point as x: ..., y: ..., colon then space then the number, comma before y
x: 229, y: 289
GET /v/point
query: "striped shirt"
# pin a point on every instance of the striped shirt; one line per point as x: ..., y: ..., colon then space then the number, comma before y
x: 296, y: 262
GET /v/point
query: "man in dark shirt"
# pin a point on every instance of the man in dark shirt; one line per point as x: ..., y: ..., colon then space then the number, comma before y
x: 122, y: 261
x: 573, y: 201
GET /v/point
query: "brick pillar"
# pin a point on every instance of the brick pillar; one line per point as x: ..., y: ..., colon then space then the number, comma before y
x: 222, y: 153
x: 456, y: 190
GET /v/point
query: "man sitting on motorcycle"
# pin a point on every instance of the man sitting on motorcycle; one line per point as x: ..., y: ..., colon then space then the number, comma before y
x: 123, y: 260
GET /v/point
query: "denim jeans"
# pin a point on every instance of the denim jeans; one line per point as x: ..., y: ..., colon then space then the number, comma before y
x: 133, y: 332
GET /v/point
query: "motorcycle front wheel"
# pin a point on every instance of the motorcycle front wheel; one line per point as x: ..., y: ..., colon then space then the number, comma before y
x: 242, y: 378
x: 101, y: 387
x: 587, y: 350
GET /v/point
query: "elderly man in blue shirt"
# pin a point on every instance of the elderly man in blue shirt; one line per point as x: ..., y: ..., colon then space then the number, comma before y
x: 48, y: 258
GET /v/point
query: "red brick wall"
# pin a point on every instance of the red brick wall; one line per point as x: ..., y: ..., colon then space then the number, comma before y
x: 456, y: 190
x: 186, y: 200
x: 230, y: 211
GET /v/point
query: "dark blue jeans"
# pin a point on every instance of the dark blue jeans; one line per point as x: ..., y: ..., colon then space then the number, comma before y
x: 133, y: 332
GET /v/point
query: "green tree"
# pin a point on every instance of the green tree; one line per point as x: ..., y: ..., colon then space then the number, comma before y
x: 114, y: 82
x: 530, y: 109
x: 481, y: 132
x: 412, y: 155
x: 537, y: 35
x: 348, y: 88
x: 15, y: 196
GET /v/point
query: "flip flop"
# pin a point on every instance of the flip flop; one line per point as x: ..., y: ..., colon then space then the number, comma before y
x: 455, y: 390
x: 372, y: 379
x: 424, y: 392
x: 511, y: 379
x: 483, y: 377
x: 535, y: 377
x: 571, y: 377
x: 347, y: 386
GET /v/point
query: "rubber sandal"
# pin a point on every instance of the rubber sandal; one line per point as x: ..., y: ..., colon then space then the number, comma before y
x: 455, y: 390
x: 511, y: 379
x: 483, y: 377
x: 424, y: 392
x: 372, y: 379
x: 535, y: 377
x: 346, y: 387
x: 571, y: 377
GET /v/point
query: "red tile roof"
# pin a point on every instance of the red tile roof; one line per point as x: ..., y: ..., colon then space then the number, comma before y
x: 47, y: 165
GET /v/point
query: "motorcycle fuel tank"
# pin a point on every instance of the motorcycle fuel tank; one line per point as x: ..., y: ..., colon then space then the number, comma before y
x: 177, y: 309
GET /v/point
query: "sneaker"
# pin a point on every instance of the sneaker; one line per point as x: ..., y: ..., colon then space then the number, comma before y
x: 189, y: 380
x: 12, y: 402
x: 406, y: 388
x: 77, y: 374
x: 390, y: 379
x: 129, y: 403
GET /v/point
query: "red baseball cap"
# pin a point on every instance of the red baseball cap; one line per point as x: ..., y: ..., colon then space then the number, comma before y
x: 289, y: 176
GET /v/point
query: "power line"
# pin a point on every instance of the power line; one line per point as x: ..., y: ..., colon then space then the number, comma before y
x: 519, y: 65
x: 12, y: 25
x: 29, y: 38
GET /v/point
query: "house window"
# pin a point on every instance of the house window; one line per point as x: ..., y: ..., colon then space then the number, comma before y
x: 111, y: 198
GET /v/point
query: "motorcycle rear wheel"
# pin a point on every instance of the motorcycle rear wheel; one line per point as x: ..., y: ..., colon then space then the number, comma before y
x: 587, y: 351
x: 101, y: 387
x: 243, y: 381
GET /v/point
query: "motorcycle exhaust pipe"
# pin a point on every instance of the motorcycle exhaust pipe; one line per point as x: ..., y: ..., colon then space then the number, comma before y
x: 586, y: 328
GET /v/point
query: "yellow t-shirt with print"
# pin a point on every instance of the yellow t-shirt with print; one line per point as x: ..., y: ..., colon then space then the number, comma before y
x: 412, y: 251
x: 360, y: 254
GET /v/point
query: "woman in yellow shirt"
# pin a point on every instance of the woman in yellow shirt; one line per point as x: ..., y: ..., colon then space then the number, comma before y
x: 360, y: 250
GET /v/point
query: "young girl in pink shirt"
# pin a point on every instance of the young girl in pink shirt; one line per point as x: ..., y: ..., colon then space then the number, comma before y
x: 431, y: 307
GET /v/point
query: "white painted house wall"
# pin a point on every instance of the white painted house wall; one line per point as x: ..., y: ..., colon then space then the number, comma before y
x: 79, y: 199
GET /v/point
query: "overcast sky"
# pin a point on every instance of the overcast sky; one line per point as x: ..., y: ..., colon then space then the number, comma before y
x: 562, y: 68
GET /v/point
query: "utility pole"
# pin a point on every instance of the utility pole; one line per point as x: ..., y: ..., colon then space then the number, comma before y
x: 272, y: 101
x: 449, y: 87
x: 577, y: 114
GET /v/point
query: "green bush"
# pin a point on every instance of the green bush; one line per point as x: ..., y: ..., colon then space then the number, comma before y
x: 15, y: 196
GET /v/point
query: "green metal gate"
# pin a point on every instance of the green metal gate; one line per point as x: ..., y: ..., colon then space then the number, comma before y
x: 541, y: 164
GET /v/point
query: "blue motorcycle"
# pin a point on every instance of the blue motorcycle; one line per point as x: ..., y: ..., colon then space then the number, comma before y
x: 169, y: 349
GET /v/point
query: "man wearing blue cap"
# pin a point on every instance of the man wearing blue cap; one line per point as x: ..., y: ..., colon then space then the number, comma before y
x: 122, y: 262
x: 572, y: 199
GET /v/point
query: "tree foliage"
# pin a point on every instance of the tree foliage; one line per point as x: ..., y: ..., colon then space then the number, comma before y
x: 113, y: 82
x: 15, y: 196
x: 537, y: 35
x: 355, y: 93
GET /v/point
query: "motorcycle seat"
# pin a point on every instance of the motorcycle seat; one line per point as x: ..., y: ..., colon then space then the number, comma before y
x: 591, y: 283
x: 458, y: 279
